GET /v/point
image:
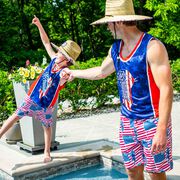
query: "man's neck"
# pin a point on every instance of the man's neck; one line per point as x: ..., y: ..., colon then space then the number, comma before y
x: 130, y: 37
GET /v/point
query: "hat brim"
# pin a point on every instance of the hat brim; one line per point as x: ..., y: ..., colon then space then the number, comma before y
x: 123, y: 18
x: 64, y: 53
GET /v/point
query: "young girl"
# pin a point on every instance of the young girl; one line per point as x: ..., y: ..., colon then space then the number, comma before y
x: 43, y: 93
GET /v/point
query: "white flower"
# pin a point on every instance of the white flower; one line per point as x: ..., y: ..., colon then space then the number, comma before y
x: 44, y: 61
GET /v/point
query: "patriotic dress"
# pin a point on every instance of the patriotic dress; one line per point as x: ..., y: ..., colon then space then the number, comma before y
x: 44, y: 91
x: 42, y: 95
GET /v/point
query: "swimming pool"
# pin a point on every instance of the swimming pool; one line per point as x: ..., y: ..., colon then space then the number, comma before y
x: 98, y: 172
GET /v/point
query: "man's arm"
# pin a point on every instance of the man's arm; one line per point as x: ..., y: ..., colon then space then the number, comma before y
x: 160, y: 67
x: 96, y: 73
x: 44, y: 37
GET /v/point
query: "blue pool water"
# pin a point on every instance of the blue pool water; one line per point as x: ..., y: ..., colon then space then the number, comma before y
x: 92, y: 173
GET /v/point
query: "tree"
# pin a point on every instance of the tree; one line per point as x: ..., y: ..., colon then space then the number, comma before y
x: 166, y: 23
x: 69, y: 19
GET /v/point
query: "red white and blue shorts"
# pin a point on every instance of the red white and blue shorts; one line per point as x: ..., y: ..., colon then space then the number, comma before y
x: 136, y: 140
x: 30, y: 108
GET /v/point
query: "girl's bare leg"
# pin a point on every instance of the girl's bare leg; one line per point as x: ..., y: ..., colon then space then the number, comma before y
x: 8, y: 123
x: 47, y: 139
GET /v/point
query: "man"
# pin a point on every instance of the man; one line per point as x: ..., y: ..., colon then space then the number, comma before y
x: 145, y: 90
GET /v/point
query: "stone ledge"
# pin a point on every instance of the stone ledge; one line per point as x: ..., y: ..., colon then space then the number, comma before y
x: 35, y: 164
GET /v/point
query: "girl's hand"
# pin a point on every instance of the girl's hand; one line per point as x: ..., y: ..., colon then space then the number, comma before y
x: 69, y: 72
x: 36, y: 21
x: 64, y: 75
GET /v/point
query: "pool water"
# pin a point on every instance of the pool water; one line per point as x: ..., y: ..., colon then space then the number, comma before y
x: 92, y: 173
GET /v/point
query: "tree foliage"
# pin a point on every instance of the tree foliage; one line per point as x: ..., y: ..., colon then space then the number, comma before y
x: 62, y: 20
x: 69, y: 19
x: 166, y: 23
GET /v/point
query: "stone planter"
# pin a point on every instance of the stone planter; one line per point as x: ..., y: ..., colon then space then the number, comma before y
x: 31, y: 129
x: 13, y: 135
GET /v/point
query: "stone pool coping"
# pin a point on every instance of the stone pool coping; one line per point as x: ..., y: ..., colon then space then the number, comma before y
x: 19, y: 166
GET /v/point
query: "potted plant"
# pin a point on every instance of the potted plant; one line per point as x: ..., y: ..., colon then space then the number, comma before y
x: 7, y: 106
x: 31, y: 129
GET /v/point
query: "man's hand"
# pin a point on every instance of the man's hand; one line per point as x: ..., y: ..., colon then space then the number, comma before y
x: 64, y: 75
x: 159, y: 142
x: 67, y: 73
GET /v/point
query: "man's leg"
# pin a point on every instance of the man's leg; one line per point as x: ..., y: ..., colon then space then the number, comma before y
x: 132, y: 149
x: 157, y: 164
x: 158, y: 176
x: 136, y: 173
x: 47, y: 139
x: 8, y: 123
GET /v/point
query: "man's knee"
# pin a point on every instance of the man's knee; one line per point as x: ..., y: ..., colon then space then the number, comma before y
x: 136, y: 173
x: 158, y: 176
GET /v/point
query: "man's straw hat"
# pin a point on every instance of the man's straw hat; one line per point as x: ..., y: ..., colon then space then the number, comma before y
x: 120, y: 10
x: 69, y: 49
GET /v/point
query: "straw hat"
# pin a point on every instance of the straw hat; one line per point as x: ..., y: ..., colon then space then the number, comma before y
x: 69, y: 49
x: 120, y: 10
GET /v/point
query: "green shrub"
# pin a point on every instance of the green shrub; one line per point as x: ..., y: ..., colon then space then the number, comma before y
x: 7, y: 101
x: 83, y: 89
x: 101, y: 89
x: 175, y: 66
x: 77, y: 90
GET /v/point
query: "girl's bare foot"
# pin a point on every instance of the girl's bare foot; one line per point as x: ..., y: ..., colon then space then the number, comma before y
x: 47, y: 159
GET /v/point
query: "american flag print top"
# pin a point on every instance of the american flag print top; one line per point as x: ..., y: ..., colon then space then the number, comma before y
x: 45, y: 89
x: 138, y: 92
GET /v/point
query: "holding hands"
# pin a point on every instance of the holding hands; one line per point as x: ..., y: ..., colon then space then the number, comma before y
x: 66, y: 74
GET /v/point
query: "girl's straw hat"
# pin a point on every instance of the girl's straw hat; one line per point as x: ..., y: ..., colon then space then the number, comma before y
x: 69, y: 49
x: 120, y: 10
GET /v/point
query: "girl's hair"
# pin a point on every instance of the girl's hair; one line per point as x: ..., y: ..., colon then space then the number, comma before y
x: 69, y: 63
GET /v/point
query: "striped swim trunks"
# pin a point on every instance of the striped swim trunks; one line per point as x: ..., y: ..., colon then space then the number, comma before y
x: 29, y: 108
x: 135, y: 138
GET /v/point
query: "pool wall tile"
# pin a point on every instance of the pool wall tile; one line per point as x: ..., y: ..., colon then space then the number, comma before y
x: 5, y: 176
